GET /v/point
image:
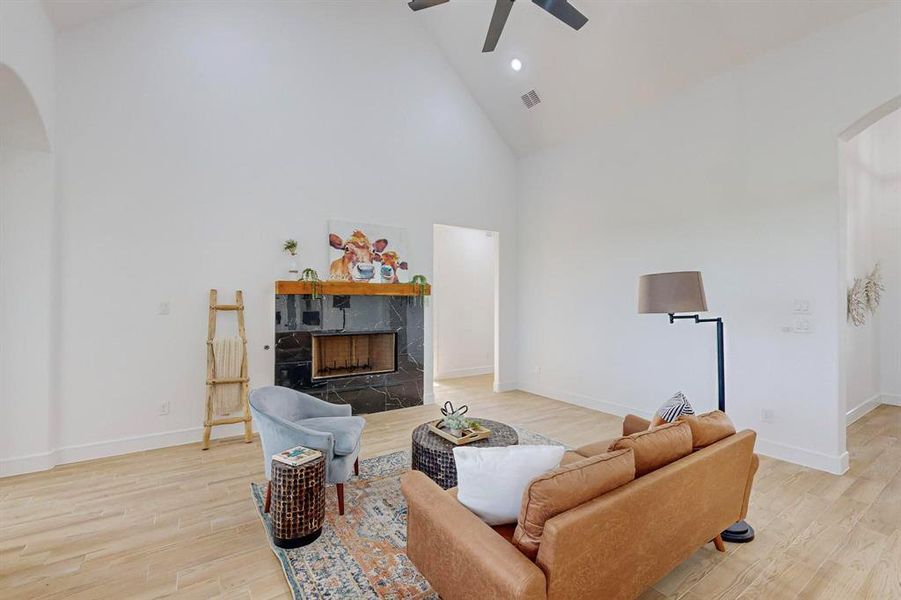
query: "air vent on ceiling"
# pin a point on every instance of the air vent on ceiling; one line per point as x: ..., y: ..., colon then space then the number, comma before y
x: 530, y: 98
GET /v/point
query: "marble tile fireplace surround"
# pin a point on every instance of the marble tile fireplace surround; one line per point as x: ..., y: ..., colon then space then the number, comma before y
x: 357, y: 343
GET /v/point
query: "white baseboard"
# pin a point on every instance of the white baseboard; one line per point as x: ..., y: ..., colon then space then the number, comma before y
x: 469, y: 372
x: 612, y: 408
x: 18, y: 465
x: 863, y: 408
x: 871, y: 403
x: 29, y: 463
x: 837, y: 465
x: 501, y: 387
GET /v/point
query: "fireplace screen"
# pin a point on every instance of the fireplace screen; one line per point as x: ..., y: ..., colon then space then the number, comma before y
x: 345, y: 354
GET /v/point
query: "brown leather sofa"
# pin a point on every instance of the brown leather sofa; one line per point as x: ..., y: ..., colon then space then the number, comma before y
x: 611, y: 547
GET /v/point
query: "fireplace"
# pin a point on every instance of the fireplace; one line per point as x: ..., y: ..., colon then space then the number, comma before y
x: 346, y: 354
x: 351, y: 343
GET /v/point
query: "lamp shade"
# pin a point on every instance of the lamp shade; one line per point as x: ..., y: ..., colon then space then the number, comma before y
x: 678, y: 292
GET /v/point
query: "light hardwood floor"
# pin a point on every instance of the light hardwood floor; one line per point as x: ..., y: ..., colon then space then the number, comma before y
x: 178, y: 522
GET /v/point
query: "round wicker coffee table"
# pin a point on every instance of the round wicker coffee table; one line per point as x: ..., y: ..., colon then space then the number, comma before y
x: 297, y: 508
x: 434, y: 455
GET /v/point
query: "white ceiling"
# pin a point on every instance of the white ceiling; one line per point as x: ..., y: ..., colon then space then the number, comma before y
x: 629, y: 54
x: 66, y: 14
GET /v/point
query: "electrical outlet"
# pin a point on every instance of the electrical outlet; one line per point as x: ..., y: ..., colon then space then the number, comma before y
x: 164, y: 408
x: 802, y: 325
x: 163, y: 308
x: 768, y: 415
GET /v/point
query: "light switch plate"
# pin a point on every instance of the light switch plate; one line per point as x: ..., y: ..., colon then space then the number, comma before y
x: 802, y: 307
x: 163, y: 308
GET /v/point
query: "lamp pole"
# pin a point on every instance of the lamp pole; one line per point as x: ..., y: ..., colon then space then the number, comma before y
x: 720, y: 347
x: 741, y: 531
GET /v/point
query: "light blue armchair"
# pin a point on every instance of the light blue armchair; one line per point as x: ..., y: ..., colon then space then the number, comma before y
x: 287, y: 418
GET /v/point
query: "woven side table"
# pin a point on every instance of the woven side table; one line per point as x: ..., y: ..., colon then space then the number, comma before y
x: 297, y: 509
x: 434, y: 455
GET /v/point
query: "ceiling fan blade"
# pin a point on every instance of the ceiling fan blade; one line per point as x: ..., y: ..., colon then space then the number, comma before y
x: 498, y: 19
x: 564, y: 11
x: 420, y: 4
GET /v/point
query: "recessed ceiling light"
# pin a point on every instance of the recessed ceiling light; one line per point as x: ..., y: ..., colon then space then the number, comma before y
x: 516, y: 64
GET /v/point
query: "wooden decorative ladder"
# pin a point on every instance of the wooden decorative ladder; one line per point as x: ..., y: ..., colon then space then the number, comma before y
x: 210, y: 420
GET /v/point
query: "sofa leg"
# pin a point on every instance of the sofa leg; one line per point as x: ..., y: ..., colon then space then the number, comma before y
x: 268, y: 497
x: 718, y: 542
x: 339, y: 487
x: 357, y: 466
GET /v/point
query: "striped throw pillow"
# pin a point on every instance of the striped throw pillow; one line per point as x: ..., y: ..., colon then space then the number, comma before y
x: 675, y: 407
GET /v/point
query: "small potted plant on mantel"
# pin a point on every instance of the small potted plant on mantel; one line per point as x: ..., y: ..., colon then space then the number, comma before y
x: 291, y: 248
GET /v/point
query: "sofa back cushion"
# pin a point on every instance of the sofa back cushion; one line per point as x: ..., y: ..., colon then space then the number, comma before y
x: 709, y: 428
x: 490, y: 481
x: 657, y: 447
x: 565, y: 488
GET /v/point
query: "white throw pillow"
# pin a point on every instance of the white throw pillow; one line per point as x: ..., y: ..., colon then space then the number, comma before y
x: 490, y: 481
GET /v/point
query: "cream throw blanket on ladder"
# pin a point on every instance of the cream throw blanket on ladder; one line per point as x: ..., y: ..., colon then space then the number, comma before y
x: 228, y: 355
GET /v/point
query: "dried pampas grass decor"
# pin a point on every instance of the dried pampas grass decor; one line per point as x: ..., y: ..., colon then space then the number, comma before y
x: 864, y: 296
x: 873, y: 288
x: 857, y: 305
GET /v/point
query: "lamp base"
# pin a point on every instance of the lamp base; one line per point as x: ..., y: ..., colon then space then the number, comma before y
x: 738, y: 533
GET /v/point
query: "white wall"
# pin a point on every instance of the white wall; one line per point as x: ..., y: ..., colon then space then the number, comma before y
x: 872, y: 179
x: 28, y: 239
x: 194, y: 138
x: 736, y: 177
x: 463, y: 302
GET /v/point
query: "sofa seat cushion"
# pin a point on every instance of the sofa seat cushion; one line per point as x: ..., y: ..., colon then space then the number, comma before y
x: 567, y: 487
x: 709, y: 428
x: 657, y: 447
x: 347, y: 431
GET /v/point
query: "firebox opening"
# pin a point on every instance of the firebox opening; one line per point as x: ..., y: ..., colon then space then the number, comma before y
x: 344, y: 354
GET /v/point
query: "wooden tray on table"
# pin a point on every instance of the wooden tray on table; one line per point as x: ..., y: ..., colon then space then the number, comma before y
x: 472, y: 434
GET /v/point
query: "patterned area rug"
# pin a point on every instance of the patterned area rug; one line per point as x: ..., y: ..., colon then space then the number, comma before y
x: 361, y: 554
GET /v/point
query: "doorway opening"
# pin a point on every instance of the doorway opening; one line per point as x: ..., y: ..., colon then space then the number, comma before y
x: 465, y: 303
x: 871, y: 339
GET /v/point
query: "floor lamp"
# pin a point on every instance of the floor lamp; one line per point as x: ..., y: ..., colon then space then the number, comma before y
x: 683, y: 292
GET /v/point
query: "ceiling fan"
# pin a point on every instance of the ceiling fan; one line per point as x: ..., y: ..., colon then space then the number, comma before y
x: 561, y: 9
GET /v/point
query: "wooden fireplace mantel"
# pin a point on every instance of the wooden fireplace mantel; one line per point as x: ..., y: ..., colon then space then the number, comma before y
x: 351, y: 288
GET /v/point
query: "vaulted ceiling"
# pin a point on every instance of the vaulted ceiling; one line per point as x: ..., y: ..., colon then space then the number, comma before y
x: 629, y: 54
x: 68, y: 14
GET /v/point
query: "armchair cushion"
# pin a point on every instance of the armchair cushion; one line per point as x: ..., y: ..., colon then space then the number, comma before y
x: 347, y: 431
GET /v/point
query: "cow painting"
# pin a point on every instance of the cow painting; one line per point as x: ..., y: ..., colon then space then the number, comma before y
x: 359, y: 258
x: 390, y: 264
x: 366, y: 253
